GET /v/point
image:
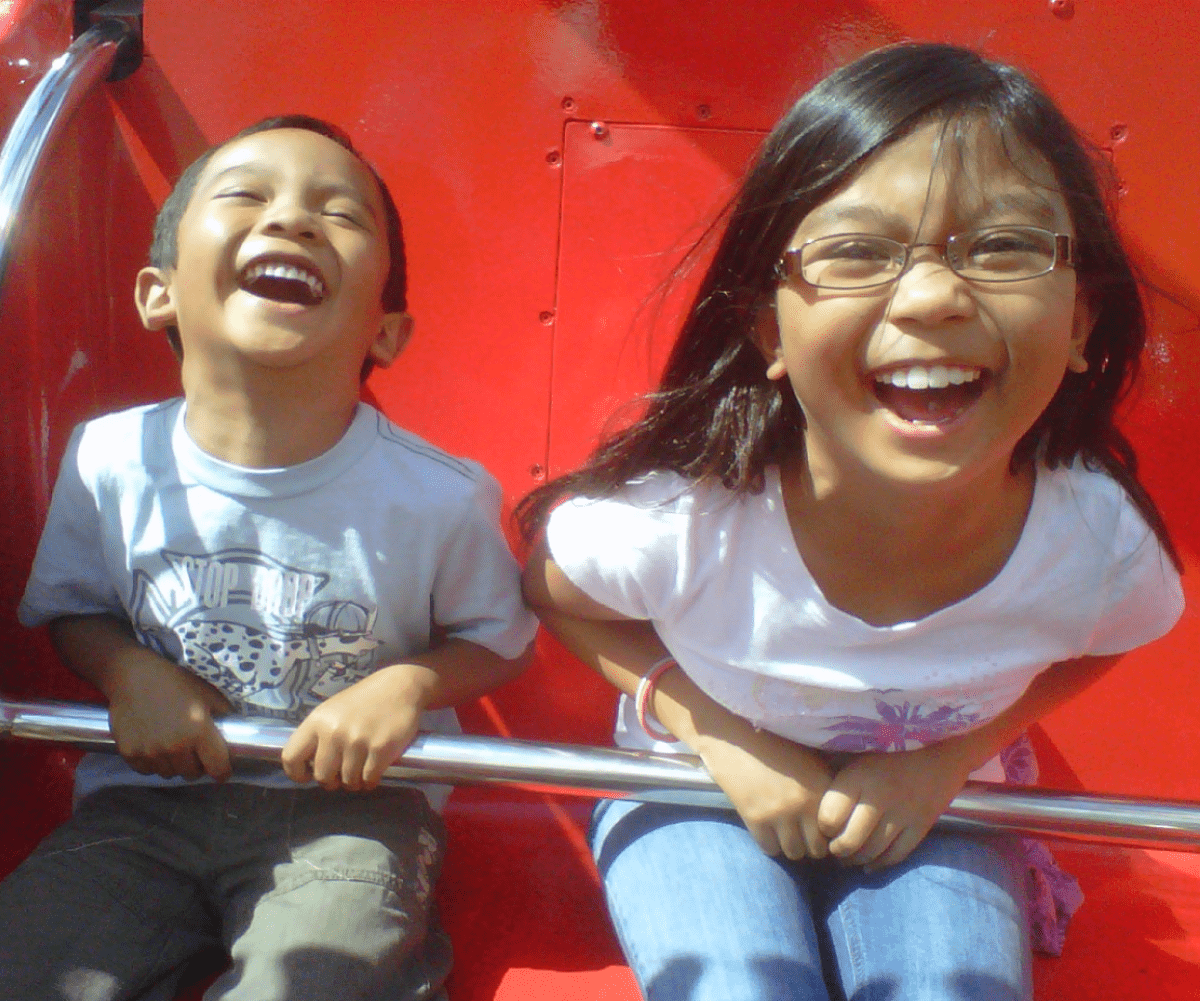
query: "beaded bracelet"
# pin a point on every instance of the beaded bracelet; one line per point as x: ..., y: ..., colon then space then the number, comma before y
x: 645, y: 692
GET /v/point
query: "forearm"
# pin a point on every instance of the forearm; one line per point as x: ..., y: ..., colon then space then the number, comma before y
x: 103, y: 650
x: 1055, y: 686
x: 454, y: 672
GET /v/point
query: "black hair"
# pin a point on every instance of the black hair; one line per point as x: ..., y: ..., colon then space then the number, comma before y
x: 716, y: 416
x: 164, y: 245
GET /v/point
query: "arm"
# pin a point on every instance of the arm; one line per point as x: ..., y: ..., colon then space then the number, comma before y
x: 160, y: 713
x: 774, y: 784
x: 880, y: 806
x: 351, y: 738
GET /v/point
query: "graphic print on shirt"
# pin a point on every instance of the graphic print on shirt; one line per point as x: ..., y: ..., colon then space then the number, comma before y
x: 899, y: 726
x: 252, y: 627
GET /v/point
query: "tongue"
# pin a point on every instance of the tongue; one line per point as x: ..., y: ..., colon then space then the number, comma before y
x: 927, y: 406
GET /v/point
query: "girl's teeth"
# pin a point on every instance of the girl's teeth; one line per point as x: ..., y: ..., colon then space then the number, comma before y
x: 934, y: 377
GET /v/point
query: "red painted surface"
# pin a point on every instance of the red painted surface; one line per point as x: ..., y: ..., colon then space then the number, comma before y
x: 537, y: 251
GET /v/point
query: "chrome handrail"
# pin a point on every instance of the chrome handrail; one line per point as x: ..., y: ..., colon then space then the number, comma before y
x: 665, y: 778
x: 88, y: 59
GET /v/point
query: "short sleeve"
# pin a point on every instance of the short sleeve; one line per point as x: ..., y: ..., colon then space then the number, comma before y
x: 70, y: 574
x: 622, y: 551
x: 477, y: 588
x: 1143, y: 594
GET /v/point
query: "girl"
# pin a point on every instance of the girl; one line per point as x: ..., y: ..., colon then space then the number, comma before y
x: 876, y: 520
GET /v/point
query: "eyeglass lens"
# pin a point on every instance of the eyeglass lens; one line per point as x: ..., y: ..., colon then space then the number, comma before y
x: 859, y: 260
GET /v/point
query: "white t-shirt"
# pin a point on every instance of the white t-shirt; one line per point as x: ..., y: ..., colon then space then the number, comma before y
x: 720, y: 577
x: 278, y: 586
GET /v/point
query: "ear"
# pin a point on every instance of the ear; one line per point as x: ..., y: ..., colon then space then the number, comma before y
x: 1081, y: 329
x: 394, y: 332
x: 155, y: 302
x: 768, y: 341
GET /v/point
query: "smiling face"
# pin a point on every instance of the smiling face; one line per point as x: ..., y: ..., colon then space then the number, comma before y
x: 281, y: 262
x: 933, y: 378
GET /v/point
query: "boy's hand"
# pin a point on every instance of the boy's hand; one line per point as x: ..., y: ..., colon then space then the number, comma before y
x: 776, y: 787
x: 879, y: 806
x: 351, y: 738
x: 162, y: 720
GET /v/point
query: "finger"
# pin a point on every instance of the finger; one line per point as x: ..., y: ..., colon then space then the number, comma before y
x: 859, y: 827
x: 816, y: 842
x: 835, y: 809
x: 765, y: 837
x: 898, y: 851
x: 298, y: 753
x: 791, y: 841
x: 327, y: 763
x: 881, y: 839
x: 379, y: 761
x: 212, y: 753
x: 354, y: 758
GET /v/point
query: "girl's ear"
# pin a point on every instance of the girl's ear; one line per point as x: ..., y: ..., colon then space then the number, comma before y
x: 393, y: 334
x: 1081, y: 330
x: 768, y: 341
x: 155, y: 303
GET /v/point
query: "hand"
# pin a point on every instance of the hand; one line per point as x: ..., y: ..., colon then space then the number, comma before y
x: 350, y: 739
x: 161, y: 717
x: 776, y: 787
x: 879, y: 806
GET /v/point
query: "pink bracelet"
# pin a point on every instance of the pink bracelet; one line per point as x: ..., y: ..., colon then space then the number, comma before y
x: 645, y: 692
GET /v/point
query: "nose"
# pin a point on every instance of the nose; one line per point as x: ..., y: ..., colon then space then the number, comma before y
x: 929, y: 291
x: 288, y: 216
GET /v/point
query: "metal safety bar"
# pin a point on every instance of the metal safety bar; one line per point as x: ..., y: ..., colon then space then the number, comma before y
x: 567, y: 769
x: 89, y: 59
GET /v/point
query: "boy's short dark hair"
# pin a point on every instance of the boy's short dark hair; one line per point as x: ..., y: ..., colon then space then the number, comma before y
x: 163, y: 247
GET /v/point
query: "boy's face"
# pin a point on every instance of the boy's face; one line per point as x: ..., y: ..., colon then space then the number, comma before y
x: 282, y: 260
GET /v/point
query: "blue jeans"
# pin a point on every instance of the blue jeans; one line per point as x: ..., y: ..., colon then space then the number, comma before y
x: 704, y: 915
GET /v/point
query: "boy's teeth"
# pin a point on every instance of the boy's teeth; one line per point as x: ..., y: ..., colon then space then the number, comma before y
x: 933, y: 377
x: 288, y: 271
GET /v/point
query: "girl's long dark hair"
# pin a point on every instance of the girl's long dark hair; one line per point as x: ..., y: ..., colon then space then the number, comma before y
x: 715, y: 416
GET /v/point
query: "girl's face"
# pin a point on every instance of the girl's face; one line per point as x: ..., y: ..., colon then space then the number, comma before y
x: 934, y: 378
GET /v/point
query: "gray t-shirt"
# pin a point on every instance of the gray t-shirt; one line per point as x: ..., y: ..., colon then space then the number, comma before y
x: 278, y: 586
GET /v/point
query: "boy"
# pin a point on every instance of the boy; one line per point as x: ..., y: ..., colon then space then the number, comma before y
x: 270, y: 546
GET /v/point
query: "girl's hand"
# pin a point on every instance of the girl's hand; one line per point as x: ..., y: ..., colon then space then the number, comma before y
x: 162, y: 719
x: 879, y: 806
x: 776, y: 787
x: 350, y: 739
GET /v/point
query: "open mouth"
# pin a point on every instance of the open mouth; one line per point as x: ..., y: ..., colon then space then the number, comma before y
x: 284, y: 281
x: 934, y: 394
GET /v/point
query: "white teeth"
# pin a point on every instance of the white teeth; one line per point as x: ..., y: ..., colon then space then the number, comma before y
x: 278, y: 269
x: 934, y: 377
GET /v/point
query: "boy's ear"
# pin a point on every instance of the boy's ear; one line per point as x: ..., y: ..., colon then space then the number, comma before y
x: 394, y: 332
x: 1081, y: 329
x: 767, y: 340
x: 155, y: 303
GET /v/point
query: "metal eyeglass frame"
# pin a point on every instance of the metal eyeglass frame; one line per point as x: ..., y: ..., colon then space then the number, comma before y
x: 789, y: 266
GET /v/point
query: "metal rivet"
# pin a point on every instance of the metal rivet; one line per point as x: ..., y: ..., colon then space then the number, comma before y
x: 1118, y: 132
x: 599, y: 130
x: 554, y: 158
x: 1063, y: 8
x: 703, y: 112
x: 536, y: 471
x: 546, y: 317
x: 568, y: 104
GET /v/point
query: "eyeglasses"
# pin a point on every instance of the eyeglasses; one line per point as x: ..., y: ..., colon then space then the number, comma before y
x: 861, y: 260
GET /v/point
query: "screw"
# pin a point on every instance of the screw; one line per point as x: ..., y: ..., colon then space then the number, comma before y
x: 568, y: 104
x: 546, y: 317
x: 703, y: 112
x: 599, y: 130
x: 1118, y: 132
x: 1064, y: 9
x: 554, y: 158
x: 536, y: 471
